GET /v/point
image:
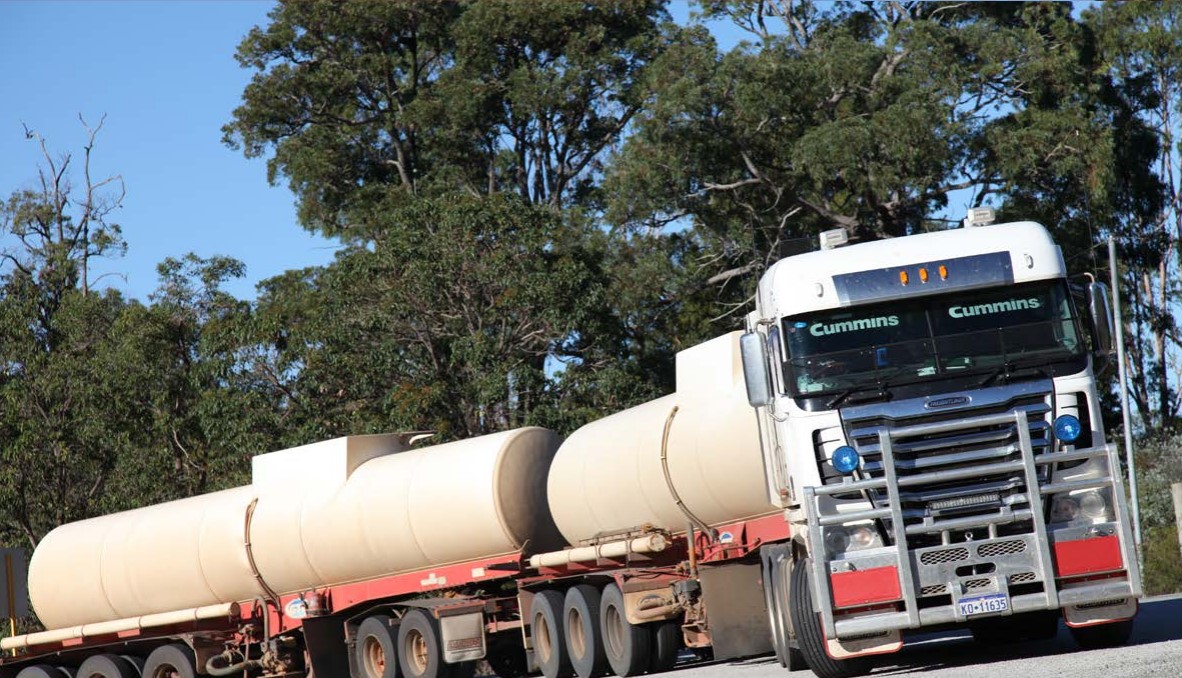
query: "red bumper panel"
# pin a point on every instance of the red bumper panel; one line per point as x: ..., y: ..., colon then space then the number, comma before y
x: 1084, y: 556
x: 863, y: 587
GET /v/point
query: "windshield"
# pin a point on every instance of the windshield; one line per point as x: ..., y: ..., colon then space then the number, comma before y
x: 929, y: 337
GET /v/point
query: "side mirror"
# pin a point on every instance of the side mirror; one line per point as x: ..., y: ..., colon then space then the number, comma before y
x: 1102, y: 322
x: 753, y: 348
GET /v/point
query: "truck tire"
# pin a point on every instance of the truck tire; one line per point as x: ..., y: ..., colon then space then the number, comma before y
x: 374, y: 651
x: 580, y: 626
x: 506, y: 657
x: 1018, y: 628
x: 419, y: 652
x: 40, y: 671
x: 106, y: 666
x: 777, y: 585
x: 627, y: 646
x: 136, y: 662
x: 1100, y: 636
x: 171, y: 661
x: 545, y: 630
x: 666, y: 642
x: 809, y: 633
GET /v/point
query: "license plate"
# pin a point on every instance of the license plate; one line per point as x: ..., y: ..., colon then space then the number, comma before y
x: 993, y: 604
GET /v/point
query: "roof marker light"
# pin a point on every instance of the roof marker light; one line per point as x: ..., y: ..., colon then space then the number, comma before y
x: 923, y: 275
x: 903, y: 277
x: 943, y: 272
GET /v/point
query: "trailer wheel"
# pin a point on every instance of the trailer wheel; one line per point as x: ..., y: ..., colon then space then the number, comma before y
x: 580, y: 625
x: 545, y: 630
x: 137, y: 663
x: 171, y: 661
x: 1099, y: 636
x: 419, y: 653
x: 666, y: 642
x: 374, y: 651
x: 506, y: 656
x: 627, y: 645
x: 106, y: 666
x: 809, y: 633
x: 40, y: 671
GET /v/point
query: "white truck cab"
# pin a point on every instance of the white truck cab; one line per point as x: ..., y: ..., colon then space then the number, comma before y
x: 930, y: 424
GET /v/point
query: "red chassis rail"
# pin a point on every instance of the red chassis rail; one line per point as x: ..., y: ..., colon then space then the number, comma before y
x: 730, y: 542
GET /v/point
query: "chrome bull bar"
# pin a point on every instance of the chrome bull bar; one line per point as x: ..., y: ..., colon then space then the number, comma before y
x: 911, y: 616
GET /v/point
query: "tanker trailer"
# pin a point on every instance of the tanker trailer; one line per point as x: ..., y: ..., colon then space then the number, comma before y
x: 323, y: 531
x: 666, y: 505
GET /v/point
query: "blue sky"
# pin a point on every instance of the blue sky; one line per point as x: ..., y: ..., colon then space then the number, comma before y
x: 165, y: 76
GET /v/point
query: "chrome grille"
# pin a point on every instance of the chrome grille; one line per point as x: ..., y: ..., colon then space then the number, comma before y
x: 918, y: 451
x: 933, y: 590
x: 1023, y: 577
x: 974, y: 584
x: 944, y: 556
x: 1001, y: 548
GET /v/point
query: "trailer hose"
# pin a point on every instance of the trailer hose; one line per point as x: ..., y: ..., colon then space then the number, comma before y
x: 231, y: 666
x: 703, y: 527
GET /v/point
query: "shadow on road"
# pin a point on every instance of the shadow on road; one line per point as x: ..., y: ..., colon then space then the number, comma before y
x: 1157, y: 622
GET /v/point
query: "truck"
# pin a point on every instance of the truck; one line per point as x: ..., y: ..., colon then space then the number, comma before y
x: 906, y: 436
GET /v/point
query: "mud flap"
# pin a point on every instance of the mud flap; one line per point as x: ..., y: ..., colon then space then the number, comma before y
x: 885, y: 643
x: 1091, y: 614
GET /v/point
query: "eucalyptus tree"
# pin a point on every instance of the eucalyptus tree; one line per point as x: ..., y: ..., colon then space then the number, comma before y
x: 880, y: 118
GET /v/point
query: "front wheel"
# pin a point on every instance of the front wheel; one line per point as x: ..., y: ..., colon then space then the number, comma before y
x: 1100, y: 636
x: 809, y: 634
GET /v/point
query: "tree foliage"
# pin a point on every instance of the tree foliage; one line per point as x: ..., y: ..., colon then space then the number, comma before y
x: 541, y: 203
x: 429, y: 97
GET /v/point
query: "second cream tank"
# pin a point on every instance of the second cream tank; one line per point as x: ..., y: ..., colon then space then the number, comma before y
x: 609, y: 476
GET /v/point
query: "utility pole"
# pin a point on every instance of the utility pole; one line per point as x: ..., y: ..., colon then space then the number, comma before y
x: 1124, y: 392
x: 1176, y: 492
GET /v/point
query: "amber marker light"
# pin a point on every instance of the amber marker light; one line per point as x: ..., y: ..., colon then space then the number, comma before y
x: 923, y: 275
x: 903, y: 277
x: 943, y: 272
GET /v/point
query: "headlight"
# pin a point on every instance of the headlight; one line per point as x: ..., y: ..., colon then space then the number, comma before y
x: 1094, y: 505
x: 836, y: 540
x: 850, y: 538
x: 1067, y: 428
x: 1089, y: 506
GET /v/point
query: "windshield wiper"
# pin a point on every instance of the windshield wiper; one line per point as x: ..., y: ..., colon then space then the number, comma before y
x: 880, y: 387
x: 1008, y: 370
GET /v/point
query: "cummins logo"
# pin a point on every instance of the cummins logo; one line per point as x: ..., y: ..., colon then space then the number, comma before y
x: 950, y: 401
x: 822, y: 329
x: 996, y: 307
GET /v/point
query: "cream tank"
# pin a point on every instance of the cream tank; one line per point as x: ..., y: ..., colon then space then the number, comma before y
x: 609, y: 475
x: 342, y: 510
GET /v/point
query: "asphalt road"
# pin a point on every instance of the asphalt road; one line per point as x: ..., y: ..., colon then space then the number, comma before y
x: 1154, y: 650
